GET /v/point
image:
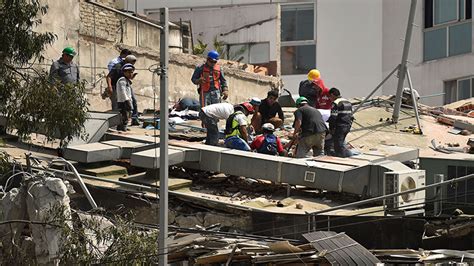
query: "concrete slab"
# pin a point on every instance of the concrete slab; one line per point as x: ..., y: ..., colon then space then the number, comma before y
x: 150, y: 159
x: 251, y: 164
x: 129, y: 147
x: 395, y: 153
x: 96, y: 126
x: 92, y: 152
x: 132, y: 137
x: 105, y: 171
x: 149, y: 180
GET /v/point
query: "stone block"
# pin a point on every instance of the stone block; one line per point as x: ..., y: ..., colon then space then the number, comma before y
x: 92, y: 152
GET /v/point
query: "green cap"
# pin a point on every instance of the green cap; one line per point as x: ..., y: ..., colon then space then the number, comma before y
x: 300, y: 100
x: 69, y: 51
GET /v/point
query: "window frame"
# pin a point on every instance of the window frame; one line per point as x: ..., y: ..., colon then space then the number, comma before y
x: 457, y: 81
x: 301, y: 42
x: 446, y: 25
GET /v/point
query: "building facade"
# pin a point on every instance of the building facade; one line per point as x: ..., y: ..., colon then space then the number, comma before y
x: 354, y: 44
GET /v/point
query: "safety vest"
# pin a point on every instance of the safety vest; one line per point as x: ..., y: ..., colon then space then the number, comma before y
x: 232, y: 127
x: 342, y: 112
x: 206, y: 75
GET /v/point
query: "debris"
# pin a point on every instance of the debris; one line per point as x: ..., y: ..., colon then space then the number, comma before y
x: 299, y: 205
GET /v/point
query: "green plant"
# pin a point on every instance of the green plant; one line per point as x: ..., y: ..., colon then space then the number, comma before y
x: 29, y: 101
x: 199, y: 48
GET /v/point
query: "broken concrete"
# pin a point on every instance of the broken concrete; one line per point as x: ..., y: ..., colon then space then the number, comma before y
x: 47, y: 198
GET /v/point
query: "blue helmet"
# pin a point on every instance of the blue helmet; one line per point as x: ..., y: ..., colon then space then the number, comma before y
x: 213, y: 54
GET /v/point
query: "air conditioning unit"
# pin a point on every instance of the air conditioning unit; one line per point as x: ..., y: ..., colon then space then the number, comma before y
x: 400, y: 181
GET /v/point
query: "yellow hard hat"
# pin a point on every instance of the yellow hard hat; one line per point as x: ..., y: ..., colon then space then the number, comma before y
x: 313, y: 74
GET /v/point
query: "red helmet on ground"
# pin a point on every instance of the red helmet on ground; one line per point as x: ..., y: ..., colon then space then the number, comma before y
x: 248, y: 107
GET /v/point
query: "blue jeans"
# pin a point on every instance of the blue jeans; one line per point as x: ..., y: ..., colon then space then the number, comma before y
x: 212, y: 135
x: 237, y: 143
x: 210, y: 97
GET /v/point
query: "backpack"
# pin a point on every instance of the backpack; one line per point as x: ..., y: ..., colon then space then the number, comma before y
x: 228, y: 124
x: 269, y: 145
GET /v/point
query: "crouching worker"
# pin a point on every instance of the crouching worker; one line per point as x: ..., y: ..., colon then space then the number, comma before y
x: 124, y: 95
x: 340, y: 122
x: 236, y: 134
x: 268, y: 143
x: 210, y: 116
x: 310, y: 129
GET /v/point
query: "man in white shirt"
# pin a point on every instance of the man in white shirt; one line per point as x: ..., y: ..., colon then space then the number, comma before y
x: 236, y: 128
x: 210, y: 116
x: 124, y: 95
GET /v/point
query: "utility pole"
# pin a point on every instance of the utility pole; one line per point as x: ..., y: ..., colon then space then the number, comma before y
x: 164, y: 58
x: 403, y: 65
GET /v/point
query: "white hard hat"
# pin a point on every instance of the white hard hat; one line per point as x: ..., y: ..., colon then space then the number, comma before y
x: 268, y: 126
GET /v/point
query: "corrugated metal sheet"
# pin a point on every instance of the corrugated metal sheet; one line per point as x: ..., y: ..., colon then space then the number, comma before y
x: 339, y: 249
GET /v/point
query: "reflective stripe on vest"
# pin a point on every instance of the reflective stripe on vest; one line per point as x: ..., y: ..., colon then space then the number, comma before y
x: 216, y: 74
x: 236, y: 127
x: 338, y: 100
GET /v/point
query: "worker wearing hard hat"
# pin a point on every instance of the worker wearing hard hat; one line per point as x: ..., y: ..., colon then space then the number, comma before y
x: 308, y: 89
x: 310, y: 129
x: 63, y: 69
x: 236, y: 134
x: 211, y: 81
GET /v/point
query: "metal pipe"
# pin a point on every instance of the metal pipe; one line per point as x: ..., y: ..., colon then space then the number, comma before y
x: 164, y: 130
x: 403, y: 64
x: 122, y: 183
x: 79, y: 179
x: 376, y: 88
x: 357, y: 203
x: 415, y: 102
x: 124, y: 14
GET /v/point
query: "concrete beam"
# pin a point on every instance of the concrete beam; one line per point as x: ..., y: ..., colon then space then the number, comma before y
x: 92, y: 152
x: 150, y: 159
x: 129, y: 147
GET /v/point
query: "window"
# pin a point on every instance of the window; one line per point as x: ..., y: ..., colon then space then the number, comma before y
x: 448, y: 28
x: 460, y: 192
x: 460, y: 89
x: 251, y: 53
x: 298, y: 40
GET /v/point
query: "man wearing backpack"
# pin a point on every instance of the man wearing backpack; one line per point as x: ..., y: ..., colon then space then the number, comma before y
x: 236, y: 135
x: 268, y: 143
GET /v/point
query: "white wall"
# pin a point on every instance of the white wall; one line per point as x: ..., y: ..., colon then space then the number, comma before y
x: 349, y: 45
x: 207, y: 23
x: 428, y: 78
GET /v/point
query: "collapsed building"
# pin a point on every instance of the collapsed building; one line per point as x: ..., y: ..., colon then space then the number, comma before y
x: 273, y: 196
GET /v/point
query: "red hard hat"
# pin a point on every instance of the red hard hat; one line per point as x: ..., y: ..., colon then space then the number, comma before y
x: 248, y: 107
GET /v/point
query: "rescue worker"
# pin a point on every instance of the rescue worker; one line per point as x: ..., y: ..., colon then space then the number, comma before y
x: 308, y: 89
x: 118, y: 59
x: 323, y: 101
x: 309, y: 129
x: 124, y: 95
x: 268, y: 143
x: 340, y: 122
x: 64, y: 70
x: 112, y: 78
x: 187, y: 103
x: 211, y: 81
x: 236, y: 128
x: 268, y: 111
x: 210, y: 116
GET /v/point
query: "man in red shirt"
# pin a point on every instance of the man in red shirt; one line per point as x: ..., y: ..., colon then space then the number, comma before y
x: 268, y: 143
x: 323, y: 101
